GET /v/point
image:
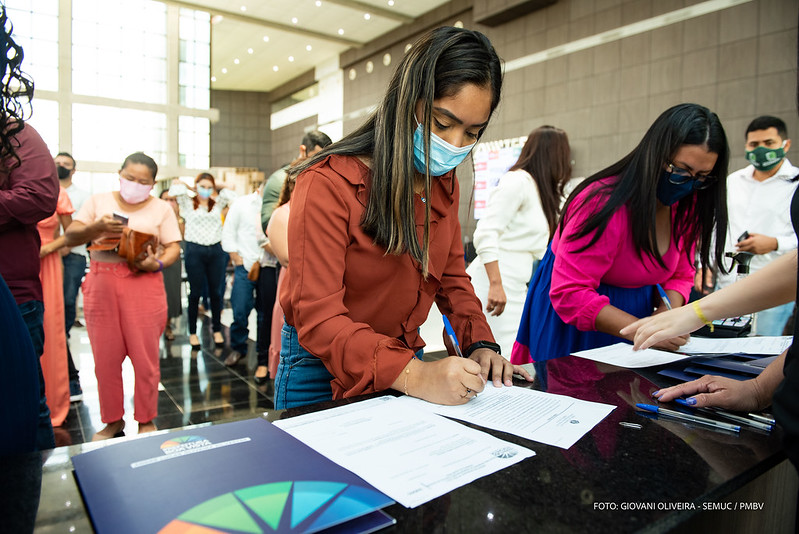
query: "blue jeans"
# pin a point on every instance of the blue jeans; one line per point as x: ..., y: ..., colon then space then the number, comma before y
x: 204, y: 264
x: 242, y: 300
x: 301, y: 377
x: 74, y: 269
x: 772, y: 322
x: 33, y: 315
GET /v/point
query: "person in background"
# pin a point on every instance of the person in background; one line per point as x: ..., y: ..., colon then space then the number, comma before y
x: 54, y: 359
x: 254, y: 274
x: 173, y: 278
x: 28, y: 194
x: 311, y: 143
x: 203, y: 255
x: 625, y: 229
x: 520, y: 218
x: 125, y: 309
x: 74, y: 266
x: 277, y: 232
x: 374, y: 239
x: 758, y: 202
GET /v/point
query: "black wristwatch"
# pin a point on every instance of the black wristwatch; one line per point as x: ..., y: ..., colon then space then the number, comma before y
x: 483, y: 345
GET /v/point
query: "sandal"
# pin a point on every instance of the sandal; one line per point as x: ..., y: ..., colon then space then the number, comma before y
x: 111, y: 430
x: 219, y: 339
x: 194, y: 341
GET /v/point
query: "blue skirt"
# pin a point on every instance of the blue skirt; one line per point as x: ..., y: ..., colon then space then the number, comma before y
x: 543, y: 335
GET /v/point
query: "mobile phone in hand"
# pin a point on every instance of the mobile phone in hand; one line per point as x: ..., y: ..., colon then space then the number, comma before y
x: 743, y: 236
x: 121, y: 218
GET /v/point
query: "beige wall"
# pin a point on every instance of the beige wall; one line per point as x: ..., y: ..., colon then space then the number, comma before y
x: 740, y: 62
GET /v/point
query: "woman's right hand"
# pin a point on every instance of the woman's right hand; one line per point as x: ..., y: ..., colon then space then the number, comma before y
x: 109, y: 226
x: 449, y: 381
x: 651, y: 331
x: 495, y: 303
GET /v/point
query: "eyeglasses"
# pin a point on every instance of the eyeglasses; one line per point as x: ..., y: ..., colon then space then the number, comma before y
x: 679, y: 176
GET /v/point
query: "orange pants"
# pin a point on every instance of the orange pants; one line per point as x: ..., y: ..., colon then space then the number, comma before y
x: 125, y: 316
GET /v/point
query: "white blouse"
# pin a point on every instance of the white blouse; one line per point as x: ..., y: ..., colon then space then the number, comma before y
x: 203, y: 227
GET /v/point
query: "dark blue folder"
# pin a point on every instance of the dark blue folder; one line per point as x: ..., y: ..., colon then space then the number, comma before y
x: 246, y: 476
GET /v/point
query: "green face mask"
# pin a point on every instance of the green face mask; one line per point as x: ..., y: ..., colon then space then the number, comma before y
x: 765, y: 159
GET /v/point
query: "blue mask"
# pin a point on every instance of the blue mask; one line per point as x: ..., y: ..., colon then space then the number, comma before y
x: 205, y: 192
x: 443, y: 156
x: 669, y: 193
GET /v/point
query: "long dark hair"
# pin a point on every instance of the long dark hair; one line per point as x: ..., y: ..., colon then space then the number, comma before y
x: 438, y: 65
x: 637, y: 176
x: 13, y: 85
x: 546, y: 156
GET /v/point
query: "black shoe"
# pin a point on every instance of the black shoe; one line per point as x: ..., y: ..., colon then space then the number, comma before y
x: 233, y: 358
x: 261, y: 380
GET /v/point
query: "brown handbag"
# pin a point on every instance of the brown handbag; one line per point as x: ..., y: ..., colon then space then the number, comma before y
x: 254, y: 272
x: 132, y: 246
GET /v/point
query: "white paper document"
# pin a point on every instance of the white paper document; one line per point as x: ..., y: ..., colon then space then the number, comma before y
x: 551, y: 419
x: 623, y: 355
x: 768, y: 345
x: 411, y: 455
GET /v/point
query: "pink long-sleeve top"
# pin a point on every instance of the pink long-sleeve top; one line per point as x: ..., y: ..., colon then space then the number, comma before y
x: 612, y: 260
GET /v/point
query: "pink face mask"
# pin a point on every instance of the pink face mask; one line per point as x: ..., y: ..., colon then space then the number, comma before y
x: 133, y: 192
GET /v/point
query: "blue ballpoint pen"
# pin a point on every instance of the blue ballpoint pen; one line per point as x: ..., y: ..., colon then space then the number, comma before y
x: 727, y: 415
x: 689, y: 418
x: 452, y: 336
x: 663, y: 296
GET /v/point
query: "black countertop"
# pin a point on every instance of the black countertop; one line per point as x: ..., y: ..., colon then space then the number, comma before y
x: 614, y: 479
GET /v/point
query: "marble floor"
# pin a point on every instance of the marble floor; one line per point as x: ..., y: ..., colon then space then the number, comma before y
x: 196, y: 386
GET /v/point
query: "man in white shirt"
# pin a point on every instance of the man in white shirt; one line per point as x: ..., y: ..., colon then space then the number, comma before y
x: 74, y: 261
x: 243, y: 239
x: 758, y: 202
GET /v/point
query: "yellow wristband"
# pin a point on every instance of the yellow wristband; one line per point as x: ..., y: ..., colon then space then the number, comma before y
x: 701, y: 315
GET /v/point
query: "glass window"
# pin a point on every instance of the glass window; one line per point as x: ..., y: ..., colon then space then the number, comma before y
x: 125, y: 41
x: 194, y: 151
x: 45, y: 120
x: 35, y: 26
x: 194, y: 68
x: 102, y: 133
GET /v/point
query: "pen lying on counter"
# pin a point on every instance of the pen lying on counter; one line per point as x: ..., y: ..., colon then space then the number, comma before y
x: 689, y: 418
x: 727, y: 415
x: 763, y: 418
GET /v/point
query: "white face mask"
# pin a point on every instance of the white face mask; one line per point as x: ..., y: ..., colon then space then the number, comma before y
x: 133, y: 192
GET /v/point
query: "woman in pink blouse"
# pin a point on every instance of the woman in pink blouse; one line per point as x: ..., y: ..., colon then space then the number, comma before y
x: 625, y: 229
x: 125, y: 308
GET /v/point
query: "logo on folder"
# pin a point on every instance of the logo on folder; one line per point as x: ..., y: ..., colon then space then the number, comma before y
x: 298, y: 506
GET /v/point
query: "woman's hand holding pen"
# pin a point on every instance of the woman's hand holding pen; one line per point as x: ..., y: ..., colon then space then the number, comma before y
x: 449, y: 381
x: 497, y: 368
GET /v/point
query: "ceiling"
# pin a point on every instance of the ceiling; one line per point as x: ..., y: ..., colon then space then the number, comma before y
x: 258, y: 45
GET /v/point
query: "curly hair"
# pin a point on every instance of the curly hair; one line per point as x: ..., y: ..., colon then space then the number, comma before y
x: 14, y: 85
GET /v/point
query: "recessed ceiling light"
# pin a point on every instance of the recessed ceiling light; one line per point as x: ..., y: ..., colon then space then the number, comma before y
x: 266, y: 38
x: 213, y: 78
x: 308, y: 48
x: 216, y: 19
x: 275, y: 68
x: 244, y: 8
x: 367, y: 16
x: 291, y: 59
x: 318, y: 3
x: 224, y: 70
x: 341, y: 31
x: 391, y: 3
x: 250, y: 50
x: 294, y: 20
x: 236, y: 61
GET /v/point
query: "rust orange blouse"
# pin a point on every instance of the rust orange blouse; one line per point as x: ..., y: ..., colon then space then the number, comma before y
x: 355, y: 307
